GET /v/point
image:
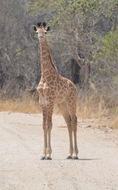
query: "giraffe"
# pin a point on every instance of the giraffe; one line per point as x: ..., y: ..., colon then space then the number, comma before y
x: 55, y: 89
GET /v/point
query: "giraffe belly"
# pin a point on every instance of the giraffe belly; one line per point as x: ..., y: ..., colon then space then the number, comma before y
x: 60, y: 99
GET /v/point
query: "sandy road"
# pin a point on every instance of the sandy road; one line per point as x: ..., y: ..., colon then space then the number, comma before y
x: 21, y: 141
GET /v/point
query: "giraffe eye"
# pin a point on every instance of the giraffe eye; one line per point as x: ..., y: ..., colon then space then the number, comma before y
x: 35, y: 29
x: 48, y: 28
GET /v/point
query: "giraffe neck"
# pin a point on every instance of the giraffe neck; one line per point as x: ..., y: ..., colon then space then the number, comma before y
x: 47, y: 65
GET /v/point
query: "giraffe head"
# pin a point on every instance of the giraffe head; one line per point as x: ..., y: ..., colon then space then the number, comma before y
x: 41, y: 29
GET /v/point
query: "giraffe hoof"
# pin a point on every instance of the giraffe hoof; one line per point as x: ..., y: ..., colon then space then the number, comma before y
x: 43, y: 158
x: 75, y: 158
x: 69, y: 157
x: 48, y: 158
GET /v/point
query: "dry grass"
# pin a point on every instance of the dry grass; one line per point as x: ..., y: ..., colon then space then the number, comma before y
x: 115, y: 123
x: 88, y: 108
x: 25, y: 105
x: 91, y: 107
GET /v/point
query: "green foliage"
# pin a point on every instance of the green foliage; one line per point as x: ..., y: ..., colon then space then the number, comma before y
x: 19, y: 52
x: 106, y: 59
x: 110, y: 45
x: 109, y: 48
x: 60, y: 8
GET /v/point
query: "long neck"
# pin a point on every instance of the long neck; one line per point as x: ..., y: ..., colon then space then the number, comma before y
x: 47, y: 65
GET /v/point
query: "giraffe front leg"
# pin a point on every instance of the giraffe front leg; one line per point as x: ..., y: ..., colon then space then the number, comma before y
x: 49, y: 128
x: 45, y: 135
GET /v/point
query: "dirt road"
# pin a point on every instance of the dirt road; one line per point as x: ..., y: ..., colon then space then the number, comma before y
x: 21, y: 143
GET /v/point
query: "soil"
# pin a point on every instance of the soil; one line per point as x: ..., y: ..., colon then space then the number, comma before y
x: 21, y: 145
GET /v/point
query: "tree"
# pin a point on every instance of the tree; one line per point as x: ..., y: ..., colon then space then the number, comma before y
x: 81, y: 25
x: 18, y: 62
x: 105, y: 62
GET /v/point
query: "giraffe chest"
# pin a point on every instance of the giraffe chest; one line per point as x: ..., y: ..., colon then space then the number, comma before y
x: 46, y: 93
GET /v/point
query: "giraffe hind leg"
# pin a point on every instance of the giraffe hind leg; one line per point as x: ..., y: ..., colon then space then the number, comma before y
x: 67, y: 118
x: 74, y: 130
x: 72, y: 111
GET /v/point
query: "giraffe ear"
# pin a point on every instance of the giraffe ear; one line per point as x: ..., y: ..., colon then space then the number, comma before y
x: 35, y: 29
x: 48, y: 28
x: 39, y: 24
x: 44, y: 24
